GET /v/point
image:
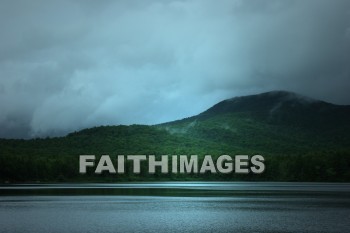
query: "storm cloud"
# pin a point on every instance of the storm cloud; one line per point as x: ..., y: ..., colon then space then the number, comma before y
x: 68, y: 65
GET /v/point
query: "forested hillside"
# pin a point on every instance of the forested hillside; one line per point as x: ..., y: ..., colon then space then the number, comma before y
x: 301, y: 139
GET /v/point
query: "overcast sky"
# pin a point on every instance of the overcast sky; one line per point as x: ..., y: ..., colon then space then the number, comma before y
x: 68, y: 65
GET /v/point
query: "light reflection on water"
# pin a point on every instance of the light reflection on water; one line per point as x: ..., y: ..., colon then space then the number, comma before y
x: 311, y: 208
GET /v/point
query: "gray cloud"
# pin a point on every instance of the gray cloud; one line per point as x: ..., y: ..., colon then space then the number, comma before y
x: 66, y: 65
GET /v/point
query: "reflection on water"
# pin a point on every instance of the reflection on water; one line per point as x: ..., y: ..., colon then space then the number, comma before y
x: 185, y: 207
x: 179, y: 189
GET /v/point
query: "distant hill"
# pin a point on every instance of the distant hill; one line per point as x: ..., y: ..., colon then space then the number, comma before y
x: 273, y: 122
x: 286, y: 108
x: 302, y: 139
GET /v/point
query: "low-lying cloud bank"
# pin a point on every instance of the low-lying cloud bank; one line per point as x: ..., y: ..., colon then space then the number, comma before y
x: 67, y: 65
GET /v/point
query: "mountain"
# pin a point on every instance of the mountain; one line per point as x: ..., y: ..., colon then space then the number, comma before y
x: 302, y: 139
x: 281, y: 107
x: 270, y: 122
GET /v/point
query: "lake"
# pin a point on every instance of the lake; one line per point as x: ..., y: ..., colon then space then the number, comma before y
x: 176, y: 207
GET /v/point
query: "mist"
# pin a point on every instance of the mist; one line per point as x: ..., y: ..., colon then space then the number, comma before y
x: 68, y: 65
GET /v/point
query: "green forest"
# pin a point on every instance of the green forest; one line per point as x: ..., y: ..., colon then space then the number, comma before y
x: 299, y: 141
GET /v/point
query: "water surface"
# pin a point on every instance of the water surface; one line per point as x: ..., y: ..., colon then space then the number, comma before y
x: 176, y: 207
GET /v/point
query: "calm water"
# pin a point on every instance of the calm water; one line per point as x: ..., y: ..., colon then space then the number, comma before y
x: 176, y: 207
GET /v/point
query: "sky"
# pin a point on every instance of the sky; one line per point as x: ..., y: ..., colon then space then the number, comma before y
x: 68, y: 65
